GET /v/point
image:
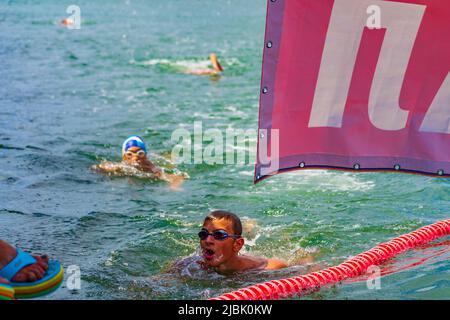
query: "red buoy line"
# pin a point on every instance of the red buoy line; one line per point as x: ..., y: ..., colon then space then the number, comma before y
x: 353, y: 267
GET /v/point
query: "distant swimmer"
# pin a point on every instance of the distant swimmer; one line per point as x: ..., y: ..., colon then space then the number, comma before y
x: 67, y: 22
x: 135, y: 163
x: 221, y: 240
x: 217, y: 68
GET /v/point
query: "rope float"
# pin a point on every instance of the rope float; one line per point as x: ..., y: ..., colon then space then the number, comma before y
x: 353, y: 267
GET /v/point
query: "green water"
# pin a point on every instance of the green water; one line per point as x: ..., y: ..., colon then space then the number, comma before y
x: 68, y: 98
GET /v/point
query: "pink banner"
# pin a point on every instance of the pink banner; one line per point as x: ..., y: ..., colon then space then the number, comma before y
x: 355, y: 85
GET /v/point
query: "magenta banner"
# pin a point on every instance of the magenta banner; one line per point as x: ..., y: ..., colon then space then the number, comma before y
x: 358, y: 85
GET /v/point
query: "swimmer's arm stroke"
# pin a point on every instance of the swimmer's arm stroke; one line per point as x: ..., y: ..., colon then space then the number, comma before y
x: 175, y: 181
x: 107, y: 167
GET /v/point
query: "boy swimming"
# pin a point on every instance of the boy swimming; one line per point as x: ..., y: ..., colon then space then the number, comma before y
x: 221, y: 240
x: 135, y: 161
x: 217, y: 68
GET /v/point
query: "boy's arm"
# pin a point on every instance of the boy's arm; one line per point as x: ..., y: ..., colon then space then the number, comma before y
x: 149, y: 166
x: 107, y: 167
x: 273, y: 264
x: 175, y: 181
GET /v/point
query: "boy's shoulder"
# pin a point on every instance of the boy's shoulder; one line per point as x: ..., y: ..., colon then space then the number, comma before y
x: 273, y: 264
x: 259, y: 263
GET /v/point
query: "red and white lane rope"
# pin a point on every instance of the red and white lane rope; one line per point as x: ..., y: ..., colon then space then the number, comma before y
x: 285, y: 288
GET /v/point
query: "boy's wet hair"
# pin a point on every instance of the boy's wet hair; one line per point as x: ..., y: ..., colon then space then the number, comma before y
x: 236, y: 224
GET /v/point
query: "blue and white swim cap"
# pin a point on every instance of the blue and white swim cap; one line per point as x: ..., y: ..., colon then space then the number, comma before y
x: 133, y: 141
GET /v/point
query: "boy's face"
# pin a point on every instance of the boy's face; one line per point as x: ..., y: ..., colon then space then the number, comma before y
x: 134, y: 155
x: 216, y: 252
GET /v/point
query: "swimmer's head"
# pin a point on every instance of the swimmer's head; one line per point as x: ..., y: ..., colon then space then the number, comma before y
x: 221, y: 237
x: 215, y: 62
x: 134, y: 149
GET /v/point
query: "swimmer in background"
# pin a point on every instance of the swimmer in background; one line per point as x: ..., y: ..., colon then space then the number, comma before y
x: 217, y: 68
x: 221, y: 240
x: 67, y: 22
x: 134, y: 154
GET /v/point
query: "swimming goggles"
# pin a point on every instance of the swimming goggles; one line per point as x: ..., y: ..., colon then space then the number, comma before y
x: 218, y: 235
x: 140, y: 153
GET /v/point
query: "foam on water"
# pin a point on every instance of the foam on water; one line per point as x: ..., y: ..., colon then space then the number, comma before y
x: 321, y: 180
x: 187, y: 64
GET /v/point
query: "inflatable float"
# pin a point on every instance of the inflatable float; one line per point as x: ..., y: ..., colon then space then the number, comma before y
x: 26, y: 290
x: 6, y: 292
x: 353, y: 267
x: 51, y: 281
